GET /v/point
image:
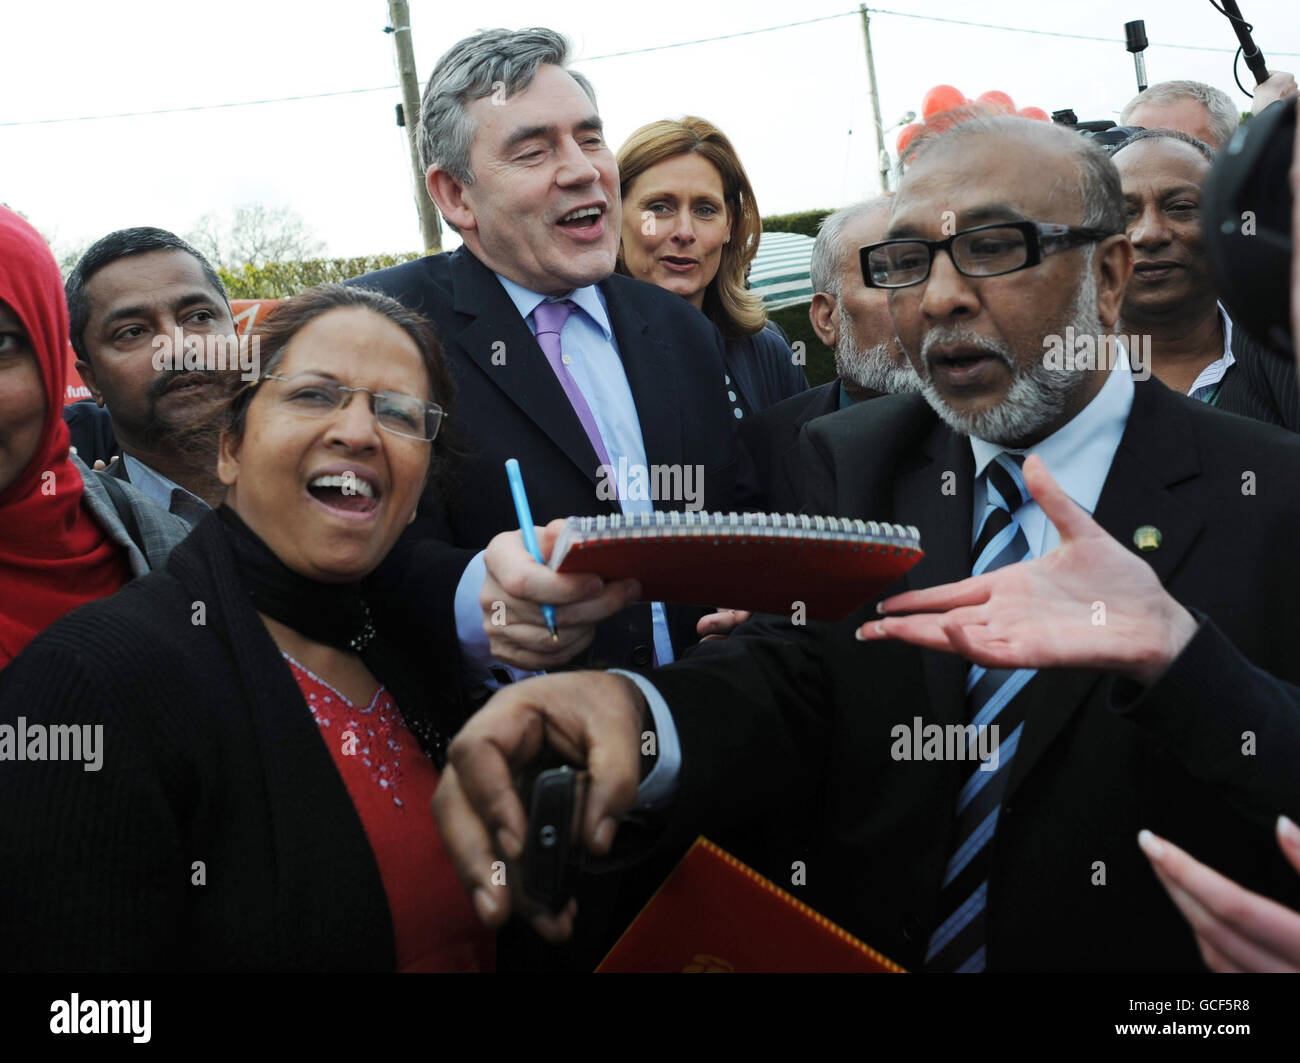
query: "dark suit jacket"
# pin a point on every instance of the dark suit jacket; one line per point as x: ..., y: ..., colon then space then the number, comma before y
x: 775, y: 711
x: 769, y: 444
x: 673, y: 358
x: 90, y: 429
x: 1262, y: 383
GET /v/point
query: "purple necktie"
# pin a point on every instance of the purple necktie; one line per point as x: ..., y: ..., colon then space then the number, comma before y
x: 549, y: 319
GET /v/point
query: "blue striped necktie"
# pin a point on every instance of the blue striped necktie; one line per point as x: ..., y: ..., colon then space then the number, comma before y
x: 958, y: 942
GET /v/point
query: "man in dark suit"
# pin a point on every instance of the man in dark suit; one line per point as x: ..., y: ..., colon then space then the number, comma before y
x: 853, y: 321
x: 1006, y: 235
x: 591, y: 380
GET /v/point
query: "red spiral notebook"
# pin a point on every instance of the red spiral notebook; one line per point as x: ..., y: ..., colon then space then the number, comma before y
x: 714, y: 914
x: 763, y: 562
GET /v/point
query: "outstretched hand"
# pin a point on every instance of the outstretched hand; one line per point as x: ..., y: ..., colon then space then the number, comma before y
x: 1089, y: 603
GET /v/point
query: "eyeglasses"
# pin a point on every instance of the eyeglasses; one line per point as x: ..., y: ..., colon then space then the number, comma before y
x: 312, y: 395
x: 985, y: 251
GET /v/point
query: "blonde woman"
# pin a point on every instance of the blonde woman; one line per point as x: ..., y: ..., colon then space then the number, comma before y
x: 691, y: 226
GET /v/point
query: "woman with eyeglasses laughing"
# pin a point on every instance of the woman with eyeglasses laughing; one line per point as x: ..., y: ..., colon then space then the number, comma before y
x: 266, y: 756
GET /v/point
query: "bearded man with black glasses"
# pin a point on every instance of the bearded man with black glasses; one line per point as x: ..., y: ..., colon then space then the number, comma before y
x: 1028, y: 860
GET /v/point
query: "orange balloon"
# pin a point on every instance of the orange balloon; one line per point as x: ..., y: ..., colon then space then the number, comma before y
x: 997, y: 101
x: 1036, y: 113
x: 906, y: 135
x: 939, y: 99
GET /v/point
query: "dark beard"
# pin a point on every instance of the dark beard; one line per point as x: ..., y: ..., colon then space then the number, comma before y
x: 192, y: 425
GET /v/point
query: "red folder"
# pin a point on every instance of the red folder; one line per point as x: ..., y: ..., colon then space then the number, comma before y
x: 830, y: 565
x: 714, y: 914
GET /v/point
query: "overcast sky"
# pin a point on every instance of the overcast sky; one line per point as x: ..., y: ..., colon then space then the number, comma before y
x: 795, y: 101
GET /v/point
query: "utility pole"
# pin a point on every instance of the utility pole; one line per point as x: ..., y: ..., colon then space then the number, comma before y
x: 875, y: 102
x: 399, y: 19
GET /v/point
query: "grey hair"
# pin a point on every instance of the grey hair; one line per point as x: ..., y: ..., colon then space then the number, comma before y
x: 1224, y: 116
x: 827, y: 267
x: 1166, y: 134
x: 485, y: 63
x: 1099, y: 184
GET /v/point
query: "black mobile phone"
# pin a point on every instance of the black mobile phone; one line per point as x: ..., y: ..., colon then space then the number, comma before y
x: 552, y: 850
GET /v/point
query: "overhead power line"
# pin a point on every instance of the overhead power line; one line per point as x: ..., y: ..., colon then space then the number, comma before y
x: 1053, y: 33
x: 644, y: 51
x: 200, y: 107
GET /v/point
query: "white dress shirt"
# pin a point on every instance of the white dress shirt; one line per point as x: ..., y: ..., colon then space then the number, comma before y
x: 1207, y: 379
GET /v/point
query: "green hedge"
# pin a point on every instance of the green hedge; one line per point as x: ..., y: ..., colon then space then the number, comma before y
x: 805, y: 221
x: 795, y: 324
x: 279, y: 280
x: 794, y: 320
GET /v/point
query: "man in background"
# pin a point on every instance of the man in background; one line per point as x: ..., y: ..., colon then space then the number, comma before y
x: 1170, y: 301
x: 137, y: 293
x: 851, y: 319
x: 1200, y: 110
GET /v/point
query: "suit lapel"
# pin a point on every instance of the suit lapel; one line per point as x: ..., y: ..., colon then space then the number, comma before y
x: 500, y: 343
x: 1156, y: 451
x: 935, y: 495
x: 647, y: 364
x: 823, y: 400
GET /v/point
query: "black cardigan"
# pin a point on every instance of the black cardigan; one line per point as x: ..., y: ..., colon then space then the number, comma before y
x: 209, y: 756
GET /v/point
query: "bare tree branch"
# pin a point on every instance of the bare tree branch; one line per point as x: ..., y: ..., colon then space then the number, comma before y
x: 255, y: 234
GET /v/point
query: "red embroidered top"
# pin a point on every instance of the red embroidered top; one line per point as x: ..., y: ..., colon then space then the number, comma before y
x: 391, y: 783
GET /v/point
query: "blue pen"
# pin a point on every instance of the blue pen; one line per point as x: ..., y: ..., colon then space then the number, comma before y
x: 530, y: 536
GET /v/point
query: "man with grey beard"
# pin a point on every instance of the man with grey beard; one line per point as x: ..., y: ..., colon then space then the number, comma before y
x: 851, y: 319
x: 1005, y: 235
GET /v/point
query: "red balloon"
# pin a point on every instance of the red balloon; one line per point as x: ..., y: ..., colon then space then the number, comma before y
x: 939, y: 99
x: 996, y: 101
x: 906, y: 135
x: 1036, y: 113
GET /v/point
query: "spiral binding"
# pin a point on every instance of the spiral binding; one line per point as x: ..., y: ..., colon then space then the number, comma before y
x: 592, y: 530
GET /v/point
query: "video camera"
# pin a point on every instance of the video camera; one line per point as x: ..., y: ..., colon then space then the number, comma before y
x: 1104, y: 132
x: 1246, y: 211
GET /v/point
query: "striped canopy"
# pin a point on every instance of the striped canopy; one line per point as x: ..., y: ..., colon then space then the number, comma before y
x: 780, y: 273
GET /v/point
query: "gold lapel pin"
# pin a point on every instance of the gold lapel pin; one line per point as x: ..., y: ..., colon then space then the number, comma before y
x: 1147, y: 538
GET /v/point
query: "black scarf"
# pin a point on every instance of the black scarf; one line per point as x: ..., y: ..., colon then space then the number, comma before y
x: 334, y: 614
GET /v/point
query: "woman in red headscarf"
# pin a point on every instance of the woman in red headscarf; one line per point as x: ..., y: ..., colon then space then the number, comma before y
x: 54, y: 555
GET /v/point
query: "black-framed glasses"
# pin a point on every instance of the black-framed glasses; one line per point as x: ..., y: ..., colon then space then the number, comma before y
x: 312, y: 395
x: 984, y: 251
